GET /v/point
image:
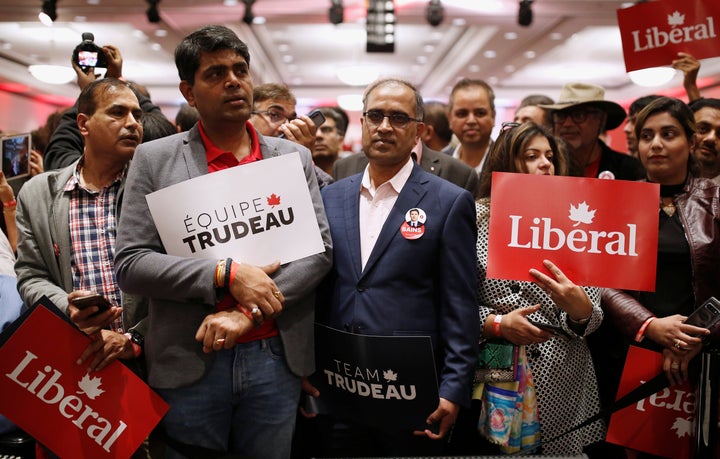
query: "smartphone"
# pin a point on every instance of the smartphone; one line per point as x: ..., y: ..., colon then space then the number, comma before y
x: 95, y: 299
x: 554, y: 329
x: 15, y: 154
x: 316, y: 116
x: 707, y: 315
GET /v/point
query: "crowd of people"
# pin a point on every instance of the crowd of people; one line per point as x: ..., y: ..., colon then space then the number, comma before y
x: 230, y: 346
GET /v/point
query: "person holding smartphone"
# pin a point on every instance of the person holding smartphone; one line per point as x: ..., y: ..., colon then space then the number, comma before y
x: 688, y: 260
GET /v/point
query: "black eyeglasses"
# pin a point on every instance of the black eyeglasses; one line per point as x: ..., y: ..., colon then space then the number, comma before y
x: 578, y: 115
x: 397, y: 120
x: 274, y: 116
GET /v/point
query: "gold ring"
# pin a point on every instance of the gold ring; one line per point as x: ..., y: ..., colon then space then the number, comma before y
x: 674, y: 365
x: 677, y: 344
x: 220, y: 341
x: 254, y: 310
x: 276, y: 294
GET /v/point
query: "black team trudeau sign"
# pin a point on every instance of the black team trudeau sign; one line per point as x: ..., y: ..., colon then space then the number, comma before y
x: 385, y: 381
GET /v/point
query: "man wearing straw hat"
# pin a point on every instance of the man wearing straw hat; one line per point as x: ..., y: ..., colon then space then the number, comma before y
x: 579, y: 116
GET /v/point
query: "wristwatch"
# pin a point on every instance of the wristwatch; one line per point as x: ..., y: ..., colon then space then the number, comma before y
x: 135, y: 337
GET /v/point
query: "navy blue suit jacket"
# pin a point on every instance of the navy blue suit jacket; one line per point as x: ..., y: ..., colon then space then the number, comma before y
x: 426, y: 286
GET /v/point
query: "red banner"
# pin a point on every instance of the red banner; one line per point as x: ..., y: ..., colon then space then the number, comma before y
x: 602, y: 233
x: 105, y: 414
x: 654, y: 32
x: 660, y: 424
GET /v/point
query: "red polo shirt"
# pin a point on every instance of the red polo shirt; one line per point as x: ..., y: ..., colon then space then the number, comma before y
x: 218, y: 160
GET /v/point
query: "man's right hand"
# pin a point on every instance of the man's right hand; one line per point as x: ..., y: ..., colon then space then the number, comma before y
x: 85, y: 319
x: 252, y: 287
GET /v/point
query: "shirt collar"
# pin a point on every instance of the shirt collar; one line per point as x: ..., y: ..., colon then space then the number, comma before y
x: 212, y: 152
x: 397, y: 182
x: 74, y: 180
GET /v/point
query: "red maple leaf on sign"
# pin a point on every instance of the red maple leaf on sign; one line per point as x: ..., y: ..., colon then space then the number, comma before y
x: 273, y: 200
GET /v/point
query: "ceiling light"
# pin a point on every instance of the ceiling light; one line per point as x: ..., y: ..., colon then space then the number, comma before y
x: 337, y: 12
x: 357, y: 75
x: 656, y: 76
x: 435, y: 13
x: 248, y: 16
x: 350, y: 102
x: 153, y: 15
x: 48, y: 14
x: 52, y: 74
x: 525, y: 14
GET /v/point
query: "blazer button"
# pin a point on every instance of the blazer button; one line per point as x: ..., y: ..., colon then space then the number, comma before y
x: 360, y: 288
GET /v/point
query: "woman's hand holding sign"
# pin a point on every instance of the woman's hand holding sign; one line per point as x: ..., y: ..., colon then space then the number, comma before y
x: 255, y: 291
x: 565, y: 294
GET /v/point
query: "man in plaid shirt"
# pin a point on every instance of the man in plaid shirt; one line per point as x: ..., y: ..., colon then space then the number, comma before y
x: 67, y: 221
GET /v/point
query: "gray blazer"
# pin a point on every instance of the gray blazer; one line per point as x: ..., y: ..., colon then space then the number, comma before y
x: 442, y: 165
x: 180, y: 290
x: 44, y: 249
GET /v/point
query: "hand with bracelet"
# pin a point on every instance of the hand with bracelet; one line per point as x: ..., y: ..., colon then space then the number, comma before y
x: 7, y: 196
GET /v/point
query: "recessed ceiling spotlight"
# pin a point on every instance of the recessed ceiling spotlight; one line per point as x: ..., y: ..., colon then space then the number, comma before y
x: 490, y: 54
x: 510, y: 35
x: 161, y: 33
x: 556, y: 36
x: 530, y: 54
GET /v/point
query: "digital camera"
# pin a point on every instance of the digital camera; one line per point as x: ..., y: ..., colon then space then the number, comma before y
x: 88, y: 55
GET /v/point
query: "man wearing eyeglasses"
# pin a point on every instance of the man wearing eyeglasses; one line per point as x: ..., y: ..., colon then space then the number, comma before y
x: 390, y: 282
x: 580, y: 115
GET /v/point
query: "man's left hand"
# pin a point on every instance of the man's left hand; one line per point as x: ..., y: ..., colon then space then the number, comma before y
x: 446, y: 414
x: 106, y: 346
x: 300, y: 130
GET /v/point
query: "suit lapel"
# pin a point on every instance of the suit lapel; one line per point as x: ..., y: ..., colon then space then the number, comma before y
x: 352, y: 221
x: 430, y: 163
x: 411, y: 194
x: 194, y: 153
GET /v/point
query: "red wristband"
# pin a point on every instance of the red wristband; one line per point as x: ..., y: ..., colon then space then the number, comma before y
x: 496, y: 324
x: 11, y: 203
x: 640, y: 335
x: 137, y: 350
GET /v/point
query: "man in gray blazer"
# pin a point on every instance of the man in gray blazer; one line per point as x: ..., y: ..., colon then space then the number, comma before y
x: 66, y: 218
x: 433, y: 161
x: 227, y: 342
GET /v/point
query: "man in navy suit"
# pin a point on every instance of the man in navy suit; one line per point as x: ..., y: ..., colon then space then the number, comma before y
x: 372, y: 290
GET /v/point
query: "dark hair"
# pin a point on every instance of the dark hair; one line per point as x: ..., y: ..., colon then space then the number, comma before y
x: 640, y: 103
x: 419, y: 106
x: 436, y: 116
x: 703, y: 102
x: 186, y: 117
x: 466, y: 83
x: 504, y: 156
x: 674, y: 107
x: 678, y: 110
x: 535, y: 100
x: 87, y: 101
x: 156, y: 125
x: 331, y: 112
x: 207, y: 39
x: 273, y: 91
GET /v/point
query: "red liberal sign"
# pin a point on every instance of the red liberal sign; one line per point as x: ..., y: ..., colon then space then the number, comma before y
x: 104, y: 414
x: 654, y: 32
x: 661, y: 424
x: 602, y: 233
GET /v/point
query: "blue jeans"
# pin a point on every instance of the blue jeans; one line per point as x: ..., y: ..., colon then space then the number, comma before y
x: 245, y: 404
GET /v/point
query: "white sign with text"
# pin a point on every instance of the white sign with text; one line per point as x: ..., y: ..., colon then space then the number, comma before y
x: 256, y: 213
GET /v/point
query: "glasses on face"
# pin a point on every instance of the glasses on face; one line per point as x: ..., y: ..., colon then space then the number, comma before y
x: 397, y: 120
x: 578, y: 115
x: 275, y: 116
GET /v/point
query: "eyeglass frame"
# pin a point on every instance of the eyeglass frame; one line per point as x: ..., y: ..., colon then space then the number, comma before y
x: 269, y: 112
x: 509, y: 125
x: 578, y: 115
x: 392, y: 117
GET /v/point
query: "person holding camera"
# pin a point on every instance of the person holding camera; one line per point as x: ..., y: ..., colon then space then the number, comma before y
x: 67, y: 143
